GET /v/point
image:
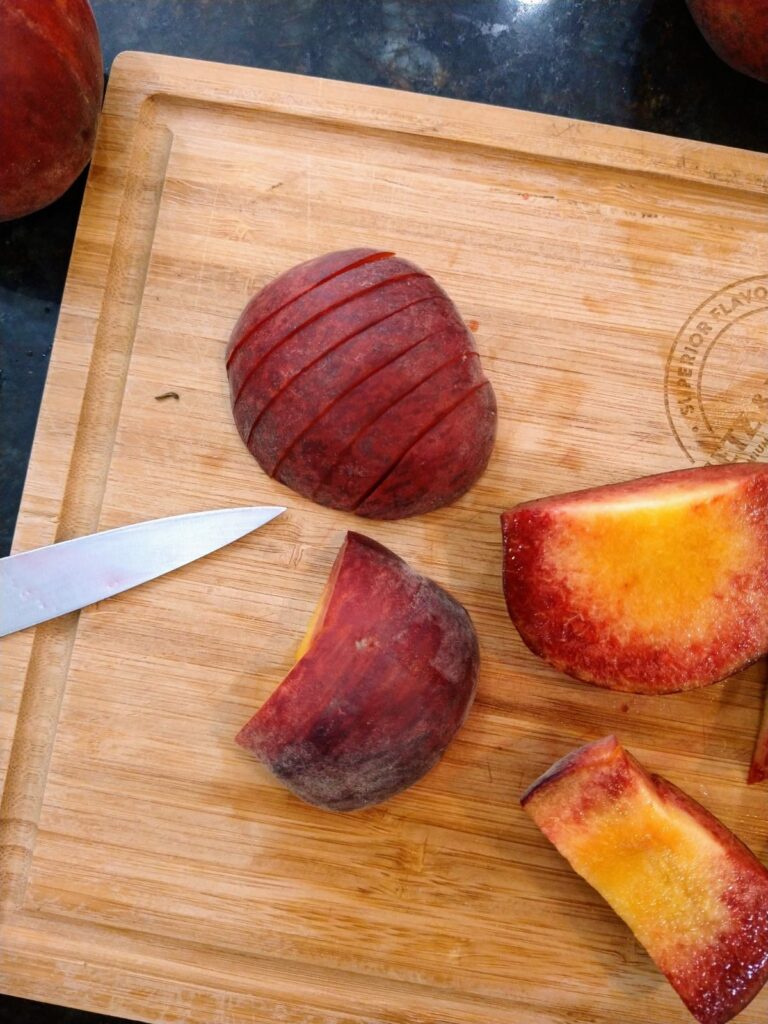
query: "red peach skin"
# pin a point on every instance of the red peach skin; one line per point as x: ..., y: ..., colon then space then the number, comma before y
x: 294, y: 283
x: 386, y: 683
x: 270, y: 377
x: 344, y: 366
x: 651, y: 586
x: 51, y: 86
x: 316, y: 452
x: 385, y: 354
x: 758, y: 770
x: 691, y: 892
x: 737, y: 30
x: 334, y: 295
x: 413, y: 482
x: 378, y: 449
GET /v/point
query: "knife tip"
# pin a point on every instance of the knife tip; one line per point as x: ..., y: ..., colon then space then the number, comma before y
x: 269, y: 512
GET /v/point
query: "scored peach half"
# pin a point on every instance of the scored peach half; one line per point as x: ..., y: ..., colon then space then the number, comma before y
x: 652, y: 586
x: 692, y: 893
x: 355, y: 381
x: 384, y: 679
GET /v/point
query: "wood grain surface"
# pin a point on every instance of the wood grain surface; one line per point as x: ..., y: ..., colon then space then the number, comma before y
x: 150, y: 868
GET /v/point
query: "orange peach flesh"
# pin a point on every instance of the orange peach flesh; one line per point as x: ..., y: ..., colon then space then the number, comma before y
x: 654, y: 864
x: 652, y: 586
x: 693, y: 895
x: 315, y: 624
x: 318, y: 615
x: 630, y: 560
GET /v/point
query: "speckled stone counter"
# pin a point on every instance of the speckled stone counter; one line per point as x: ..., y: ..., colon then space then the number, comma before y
x: 637, y: 63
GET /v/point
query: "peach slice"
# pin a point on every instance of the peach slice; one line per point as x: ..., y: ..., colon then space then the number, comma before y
x: 384, y: 679
x: 758, y: 770
x: 691, y: 892
x: 652, y: 586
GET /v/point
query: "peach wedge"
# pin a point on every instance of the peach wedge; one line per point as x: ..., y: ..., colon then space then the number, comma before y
x: 652, y: 586
x: 382, y: 682
x: 691, y: 892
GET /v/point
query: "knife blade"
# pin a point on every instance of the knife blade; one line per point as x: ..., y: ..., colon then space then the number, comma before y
x: 47, y: 582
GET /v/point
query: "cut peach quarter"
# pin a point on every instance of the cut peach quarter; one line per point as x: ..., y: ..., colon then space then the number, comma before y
x: 692, y: 893
x: 652, y: 586
x: 384, y: 678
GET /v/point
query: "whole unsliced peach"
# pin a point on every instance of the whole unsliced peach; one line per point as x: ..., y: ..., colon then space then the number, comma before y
x: 51, y: 83
x: 737, y: 30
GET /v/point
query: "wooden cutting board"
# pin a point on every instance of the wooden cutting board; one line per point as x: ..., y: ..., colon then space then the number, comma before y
x: 150, y: 867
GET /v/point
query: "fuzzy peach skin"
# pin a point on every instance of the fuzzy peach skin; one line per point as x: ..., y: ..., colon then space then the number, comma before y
x: 383, y: 681
x: 651, y: 586
x: 51, y: 83
x: 737, y: 30
x: 692, y: 893
x: 758, y: 770
x: 355, y: 382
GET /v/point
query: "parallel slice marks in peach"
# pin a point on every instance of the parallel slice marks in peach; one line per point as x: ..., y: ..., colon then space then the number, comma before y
x: 338, y: 317
x: 374, y: 452
x: 317, y: 354
x: 445, y: 412
x: 286, y: 362
x: 314, y: 377
x: 291, y: 286
x: 652, y: 586
x: 297, y: 409
x: 423, y: 472
x: 317, y: 302
x: 693, y: 895
x: 315, y: 455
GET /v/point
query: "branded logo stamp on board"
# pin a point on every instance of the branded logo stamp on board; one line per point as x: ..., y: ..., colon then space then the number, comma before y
x: 724, y: 340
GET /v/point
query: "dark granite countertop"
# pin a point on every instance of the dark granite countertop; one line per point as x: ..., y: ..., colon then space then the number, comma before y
x: 637, y: 63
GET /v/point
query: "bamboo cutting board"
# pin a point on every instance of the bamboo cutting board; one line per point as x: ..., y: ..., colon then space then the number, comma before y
x: 150, y: 868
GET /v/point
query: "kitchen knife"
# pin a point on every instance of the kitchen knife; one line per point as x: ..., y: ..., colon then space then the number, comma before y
x: 46, y: 582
